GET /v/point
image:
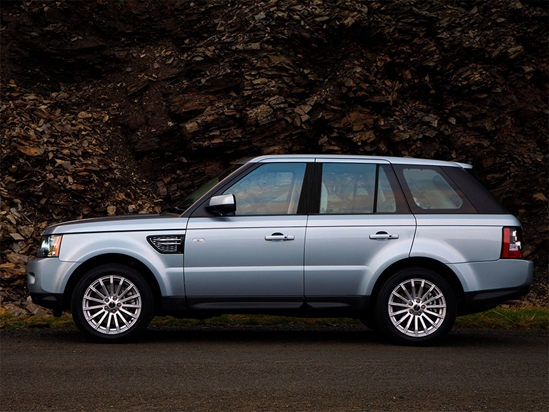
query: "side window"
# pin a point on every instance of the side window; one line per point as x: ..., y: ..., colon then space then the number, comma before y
x: 430, y: 190
x: 271, y: 189
x: 386, y: 201
x: 348, y: 188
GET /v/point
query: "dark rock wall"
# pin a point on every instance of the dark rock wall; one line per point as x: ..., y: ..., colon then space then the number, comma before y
x: 177, y: 90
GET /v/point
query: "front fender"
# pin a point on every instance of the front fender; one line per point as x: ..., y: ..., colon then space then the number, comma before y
x: 166, y: 268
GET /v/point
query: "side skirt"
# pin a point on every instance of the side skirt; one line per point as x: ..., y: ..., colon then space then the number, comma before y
x: 318, y: 306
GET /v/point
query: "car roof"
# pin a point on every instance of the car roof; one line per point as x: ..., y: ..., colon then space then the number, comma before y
x: 328, y: 157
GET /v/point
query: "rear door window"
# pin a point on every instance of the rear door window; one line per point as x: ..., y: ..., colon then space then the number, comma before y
x: 347, y: 188
x: 359, y: 188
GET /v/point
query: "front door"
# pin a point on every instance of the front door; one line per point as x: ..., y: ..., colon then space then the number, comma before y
x: 253, y: 259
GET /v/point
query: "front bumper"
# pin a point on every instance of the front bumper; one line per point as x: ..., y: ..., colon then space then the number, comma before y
x: 50, y: 301
x: 46, y: 282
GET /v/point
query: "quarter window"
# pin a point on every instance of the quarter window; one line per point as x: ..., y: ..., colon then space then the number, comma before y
x: 430, y: 190
x: 271, y: 189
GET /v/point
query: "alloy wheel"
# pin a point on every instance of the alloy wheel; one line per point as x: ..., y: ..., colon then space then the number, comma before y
x: 417, y: 307
x: 111, y: 304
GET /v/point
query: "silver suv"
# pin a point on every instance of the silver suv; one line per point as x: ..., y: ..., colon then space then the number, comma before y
x: 403, y: 244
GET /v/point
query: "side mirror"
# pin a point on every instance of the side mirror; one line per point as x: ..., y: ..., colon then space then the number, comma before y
x: 222, y: 205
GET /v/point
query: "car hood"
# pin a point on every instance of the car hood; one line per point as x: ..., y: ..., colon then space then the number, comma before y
x: 119, y: 224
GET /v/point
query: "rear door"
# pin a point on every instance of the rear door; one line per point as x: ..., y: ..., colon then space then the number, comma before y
x: 361, y: 226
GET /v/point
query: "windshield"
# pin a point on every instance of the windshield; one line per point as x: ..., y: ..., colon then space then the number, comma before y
x: 198, y: 193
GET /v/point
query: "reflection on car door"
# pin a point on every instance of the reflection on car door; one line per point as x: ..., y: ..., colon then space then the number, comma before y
x: 255, y: 258
x: 362, y: 226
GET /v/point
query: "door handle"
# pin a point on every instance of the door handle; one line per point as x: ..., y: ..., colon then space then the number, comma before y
x: 383, y: 236
x: 279, y: 237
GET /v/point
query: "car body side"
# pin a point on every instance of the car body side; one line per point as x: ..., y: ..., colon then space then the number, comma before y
x: 341, y: 267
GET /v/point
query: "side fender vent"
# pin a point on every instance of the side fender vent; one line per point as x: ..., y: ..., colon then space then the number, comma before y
x: 167, y: 243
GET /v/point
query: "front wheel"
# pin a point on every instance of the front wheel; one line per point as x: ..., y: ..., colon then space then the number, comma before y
x: 416, y: 306
x: 112, y: 303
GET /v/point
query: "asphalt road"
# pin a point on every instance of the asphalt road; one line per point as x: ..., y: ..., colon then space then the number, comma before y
x: 273, y: 369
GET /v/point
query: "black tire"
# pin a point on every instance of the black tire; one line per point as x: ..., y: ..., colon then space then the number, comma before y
x: 416, y: 306
x: 112, y: 303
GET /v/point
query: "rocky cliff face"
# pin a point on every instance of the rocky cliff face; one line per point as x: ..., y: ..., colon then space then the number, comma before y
x: 119, y: 106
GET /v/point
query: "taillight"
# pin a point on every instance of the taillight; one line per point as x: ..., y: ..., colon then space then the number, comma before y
x: 512, y: 243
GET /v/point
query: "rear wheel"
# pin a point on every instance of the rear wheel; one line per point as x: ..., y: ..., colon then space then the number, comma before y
x: 416, y: 306
x: 112, y: 303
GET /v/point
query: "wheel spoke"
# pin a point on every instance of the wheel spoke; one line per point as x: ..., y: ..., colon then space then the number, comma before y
x: 93, y: 307
x: 400, y: 312
x: 422, y: 322
x: 116, y: 322
x: 410, y: 319
x: 400, y: 297
x: 436, y: 306
x: 103, y: 287
x: 427, y: 293
x: 434, y: 314
x: 98, y: 324
x: 412, y: 289
x: 129, y: 314
x: 427, y: 318
x: 433, y: 298
x: 93, y: 299
x: 96, y: 314
x: 406, y: 292
x: 402, y: 319
x: 123, y: 319
x: 108, y: 327
x: 400, y: 305
x: 421, y: 285
x: 131, y: 306
x: 119, y: 287
x: 129, y: 298
x: 123, y: 293
x: 97, y: 292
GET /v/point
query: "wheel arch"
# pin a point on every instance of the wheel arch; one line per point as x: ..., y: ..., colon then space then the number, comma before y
x: 109, y: 259
x: 427, y: 263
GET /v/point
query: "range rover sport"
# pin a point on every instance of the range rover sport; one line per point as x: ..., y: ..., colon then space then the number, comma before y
x: 403, y: 244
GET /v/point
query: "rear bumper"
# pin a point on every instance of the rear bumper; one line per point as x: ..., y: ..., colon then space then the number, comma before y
x: 487, y: 284
x: 487, y: 299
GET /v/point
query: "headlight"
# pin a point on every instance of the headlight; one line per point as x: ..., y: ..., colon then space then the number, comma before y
x: 50, y: 246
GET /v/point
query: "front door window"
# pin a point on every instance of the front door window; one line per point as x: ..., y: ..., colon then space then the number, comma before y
x: 271, y: 189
